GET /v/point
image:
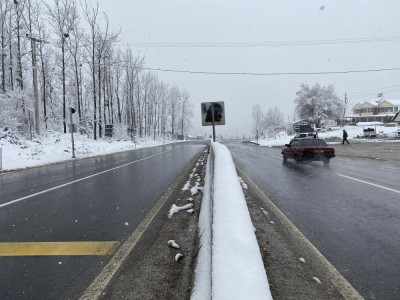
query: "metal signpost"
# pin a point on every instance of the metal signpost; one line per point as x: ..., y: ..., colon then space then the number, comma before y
x: 213, y: 113
x: 72, y: 129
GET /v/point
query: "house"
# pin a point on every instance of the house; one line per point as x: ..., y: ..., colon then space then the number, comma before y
x: 375, y: 110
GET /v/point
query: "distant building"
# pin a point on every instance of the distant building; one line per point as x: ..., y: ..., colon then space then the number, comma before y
x: 375, y: 110
x: 303, y: 125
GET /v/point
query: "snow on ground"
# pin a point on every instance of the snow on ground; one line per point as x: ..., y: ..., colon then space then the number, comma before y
x: 352, y: 131
x: 175, y: 209
x: 55, y: 147
x: 202, y: 285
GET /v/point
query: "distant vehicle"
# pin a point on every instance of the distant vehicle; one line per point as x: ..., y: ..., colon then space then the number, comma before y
x: 308, y: 149
x: 304, y: 135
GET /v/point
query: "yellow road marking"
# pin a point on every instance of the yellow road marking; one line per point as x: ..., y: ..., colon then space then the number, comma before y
x: 57, y: 248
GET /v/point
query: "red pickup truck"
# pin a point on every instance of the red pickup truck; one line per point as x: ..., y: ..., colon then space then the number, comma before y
x: 308, y: 149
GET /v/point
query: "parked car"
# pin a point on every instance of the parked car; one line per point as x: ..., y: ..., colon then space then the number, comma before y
x: 308, y: 149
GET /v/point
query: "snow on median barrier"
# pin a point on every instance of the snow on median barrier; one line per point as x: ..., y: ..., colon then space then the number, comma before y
x: 237, y: 270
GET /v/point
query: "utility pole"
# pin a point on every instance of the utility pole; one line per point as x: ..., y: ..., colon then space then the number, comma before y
x: 345, y: 105
x: 64, y: 36
x: 35, y: 81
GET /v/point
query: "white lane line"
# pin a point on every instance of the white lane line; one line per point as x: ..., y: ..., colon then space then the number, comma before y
x: 78, y: 180
x: 278, y: 157
x: 370, y: 183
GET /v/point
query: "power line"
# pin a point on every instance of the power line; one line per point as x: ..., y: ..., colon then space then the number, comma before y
x: 263, y: 44
x: 374, y: 90
x: 269, y: 74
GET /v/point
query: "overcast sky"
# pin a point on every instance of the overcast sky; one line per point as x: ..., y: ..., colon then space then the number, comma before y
x: 269, y: 22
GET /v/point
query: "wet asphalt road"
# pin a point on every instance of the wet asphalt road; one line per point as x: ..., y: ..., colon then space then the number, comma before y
x: 349, y: 211
x: 105, y: 205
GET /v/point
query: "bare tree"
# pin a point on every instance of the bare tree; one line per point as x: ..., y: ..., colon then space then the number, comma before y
x: 273, y: 117
x: 18, y: 13
x: 91, y: 15
x: 163, y: 108
x: 174, y: 96
x: 186, y: 112
x: 117, y: 71
x: 74, y: 46
x: 63, y: 17
x: 105, y: 40
x: 258, y: 118
x: 4, y: 12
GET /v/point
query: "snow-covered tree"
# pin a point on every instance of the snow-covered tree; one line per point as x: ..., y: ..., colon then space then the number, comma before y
x: 318, y: 103
x: 273, y: 117
x: 258, y: 119
x: 80, y: 65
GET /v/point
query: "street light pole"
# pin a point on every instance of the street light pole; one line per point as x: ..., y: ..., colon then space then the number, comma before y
x: 35, y: 87
x: 64, y: 36
x: 72, y: 111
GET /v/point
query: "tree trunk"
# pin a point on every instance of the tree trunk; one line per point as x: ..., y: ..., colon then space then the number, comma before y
x: 99, y: 80
x: 63, y: 84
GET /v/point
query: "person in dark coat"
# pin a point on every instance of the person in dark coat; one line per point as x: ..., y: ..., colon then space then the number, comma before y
x: 345, y: 135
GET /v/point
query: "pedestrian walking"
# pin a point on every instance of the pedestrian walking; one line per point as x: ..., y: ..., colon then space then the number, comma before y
x: 345, y: 135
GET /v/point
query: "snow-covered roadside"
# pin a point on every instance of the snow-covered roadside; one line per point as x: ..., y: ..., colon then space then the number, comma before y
x: 237, y: 269
x: 202, y: 286
x: 55, y: 147
x: 353, y: 132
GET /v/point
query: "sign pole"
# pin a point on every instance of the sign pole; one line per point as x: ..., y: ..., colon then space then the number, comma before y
x: 212, y: 118
x: 72, y: 132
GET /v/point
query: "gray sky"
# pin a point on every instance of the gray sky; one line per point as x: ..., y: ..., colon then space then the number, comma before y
x: 271, y: 21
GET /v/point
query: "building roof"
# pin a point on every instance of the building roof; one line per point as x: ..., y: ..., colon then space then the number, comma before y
x: 375, y: 102
x: 394, y: 102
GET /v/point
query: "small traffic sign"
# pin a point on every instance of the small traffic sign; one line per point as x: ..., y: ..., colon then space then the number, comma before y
x: 207, y: 116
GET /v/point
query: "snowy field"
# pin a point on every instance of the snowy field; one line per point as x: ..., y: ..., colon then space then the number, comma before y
x: 53, y: 148
x: 353, y: 132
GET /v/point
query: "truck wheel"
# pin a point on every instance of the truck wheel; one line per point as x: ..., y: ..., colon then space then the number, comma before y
x: 284, y: 158
x: 327, y: 161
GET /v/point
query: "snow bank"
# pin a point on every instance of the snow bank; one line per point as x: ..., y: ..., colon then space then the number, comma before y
x: 237, y: 267
x: 51, y: 148
x: 202, y: 284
